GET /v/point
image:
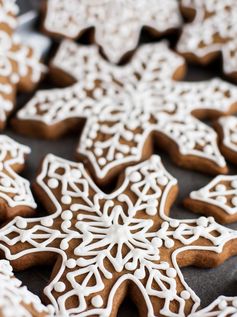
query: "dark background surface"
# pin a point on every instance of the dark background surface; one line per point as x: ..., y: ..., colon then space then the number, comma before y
x: 207, y: 283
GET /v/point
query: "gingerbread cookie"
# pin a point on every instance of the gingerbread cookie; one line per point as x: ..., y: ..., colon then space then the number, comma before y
x: 15, y: 299
x: 218, y: 199
x: 212, y: 31
x: 15, y: 193
x: 128, y: 108
x: 223, y: 306
x: 117, y: 34
x: 19, y: 64
x: 107, y: 246
x: 226, y: 128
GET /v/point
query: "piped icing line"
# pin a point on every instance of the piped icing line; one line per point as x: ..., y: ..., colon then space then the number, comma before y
x: 14, y: 189
x: 20, y: 66
x: 229, y: 129
x: 117, y: 34
x: 220, y: 192
x: 86, y: 224
x: 16, y: 298
x: 223, y: 306
x: 213, y: 30
x: 125, y: 105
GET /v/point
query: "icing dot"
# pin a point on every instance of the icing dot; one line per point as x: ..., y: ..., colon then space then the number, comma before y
x: 174, y: 223
x: 171, y: 272
x: 66, y: 215
x: 234, y: 201
x: 75, y: 173
x: 71, y: 263
x: 221, y: 199
x: 163, y: 180
x: 47, y: 222
x: 169, y: 243
x: 66, y: 200
x: 208, y: 149
x: 97, y: 301
x: 220, y: 188
x: 185, y: 295
x: 53, y: 183
x: 98, y: 151
x: 202, y: 221
x: 151, y: 210
x: 59, y: 287
x: 102, y: 161
x: 135, y: 177
x: 157, y: 242
x: 21, y: 223
x: 5, y: 182
x: 234, y: 184
x: 64, y: 245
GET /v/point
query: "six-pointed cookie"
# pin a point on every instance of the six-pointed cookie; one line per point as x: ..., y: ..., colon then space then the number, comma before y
x: 106, y: 246
x: 15, y: 193
x: 20, y: 68
x: 15, y: 299
x: 117, y: 23
x: 128, y: 108
x: 212, y: 31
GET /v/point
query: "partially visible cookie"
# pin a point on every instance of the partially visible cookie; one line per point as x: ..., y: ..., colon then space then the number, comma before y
x: 212, y: 31
x: 15, y: 299
x: 128, y: 109
x: 226, y: 128
x: 104, y: 247
x: 117, y: 23
x: 223, y: 306
x: 15, y: 193
x: 20, y: 68
x: 217, y: 199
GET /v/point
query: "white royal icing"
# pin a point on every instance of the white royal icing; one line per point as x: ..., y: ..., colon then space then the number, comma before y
x: 14, y: 189
x: 116, y: 33
x: 220, y: 192
x: 84, y: 231
x: 229, y: 128
x: 14, y: 298
x: 199, y: 37
x: 13, y: 54
x: 221, y: 307
x: 130, y: 102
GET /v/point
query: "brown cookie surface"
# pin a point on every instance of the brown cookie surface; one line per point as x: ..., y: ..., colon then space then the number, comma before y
x: 108, y: 246
x: 128, y: 109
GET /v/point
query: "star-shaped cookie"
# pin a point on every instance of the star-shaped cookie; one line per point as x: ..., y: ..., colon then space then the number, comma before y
x: 107, y: 246
x: 15, y: 299
x: 212, y: 31
x: 20, y: 68
x: 15, y: 193
x: 117, y: 24
x: 129, y: 108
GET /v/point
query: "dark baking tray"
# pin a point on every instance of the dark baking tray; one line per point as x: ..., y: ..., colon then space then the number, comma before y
x: 207, y: 283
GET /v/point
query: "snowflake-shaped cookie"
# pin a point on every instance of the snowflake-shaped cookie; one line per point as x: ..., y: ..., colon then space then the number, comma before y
x: 15, y: 193
x: 15, y: 299
x: 104, y: 245
x: 226, y: 127
x: 127, y: 108
x: 218, y: 199
x: 19, y: 64
x: 117, y: 23
x: 212, y: 31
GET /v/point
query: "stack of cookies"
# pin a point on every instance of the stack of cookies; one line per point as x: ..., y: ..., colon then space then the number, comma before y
x: 101, y: 221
